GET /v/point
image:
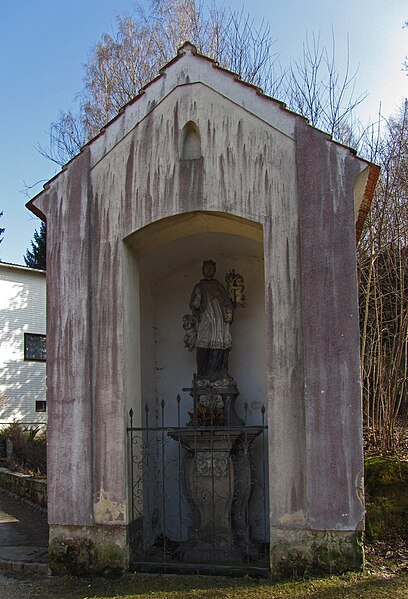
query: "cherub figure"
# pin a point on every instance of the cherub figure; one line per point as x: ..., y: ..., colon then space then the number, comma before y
x: 190, y: 327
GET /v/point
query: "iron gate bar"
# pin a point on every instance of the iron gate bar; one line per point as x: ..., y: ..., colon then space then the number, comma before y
x: 151, y: 525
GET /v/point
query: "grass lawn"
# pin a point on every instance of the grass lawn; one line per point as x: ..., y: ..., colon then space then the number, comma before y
x: 374, y: 585
x: 385, y: 577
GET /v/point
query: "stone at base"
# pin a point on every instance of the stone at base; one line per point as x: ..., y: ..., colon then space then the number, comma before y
x: 86, y: 550
x: 296, y: 554
x: 208, y: 553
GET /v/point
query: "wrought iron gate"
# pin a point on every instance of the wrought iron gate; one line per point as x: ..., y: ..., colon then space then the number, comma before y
x: 199, y: 492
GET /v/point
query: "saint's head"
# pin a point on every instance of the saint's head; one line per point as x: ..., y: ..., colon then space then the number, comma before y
x: 209, y: 269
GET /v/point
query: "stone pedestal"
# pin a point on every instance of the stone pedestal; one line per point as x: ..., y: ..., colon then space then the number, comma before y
x: 210, y: 484
x: 218, y: 497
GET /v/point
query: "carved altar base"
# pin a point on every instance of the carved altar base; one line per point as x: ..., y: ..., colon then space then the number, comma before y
x: 218, y: 497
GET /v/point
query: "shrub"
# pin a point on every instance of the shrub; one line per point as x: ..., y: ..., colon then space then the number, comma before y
x: 29, y: 448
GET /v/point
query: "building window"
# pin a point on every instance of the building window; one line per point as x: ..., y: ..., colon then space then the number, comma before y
x: 40, y: 406
x: 34, y: 347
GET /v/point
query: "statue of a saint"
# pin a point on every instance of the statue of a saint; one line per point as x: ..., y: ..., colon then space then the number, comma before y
x: 208, y: 328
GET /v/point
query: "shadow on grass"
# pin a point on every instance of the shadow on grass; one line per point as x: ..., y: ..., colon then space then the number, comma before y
x: 194, y: 587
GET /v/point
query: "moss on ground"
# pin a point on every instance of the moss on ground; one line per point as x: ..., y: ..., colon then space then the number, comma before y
x: 386, y: 487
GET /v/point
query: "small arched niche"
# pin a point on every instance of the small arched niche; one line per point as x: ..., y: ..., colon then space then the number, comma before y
x: 190, y: 142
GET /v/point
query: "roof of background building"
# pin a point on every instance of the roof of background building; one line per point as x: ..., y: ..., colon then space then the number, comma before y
x: 21, y: 267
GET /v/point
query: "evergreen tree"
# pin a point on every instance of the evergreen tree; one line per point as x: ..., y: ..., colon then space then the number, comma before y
x: 1, y: 230
x: 37, y: 257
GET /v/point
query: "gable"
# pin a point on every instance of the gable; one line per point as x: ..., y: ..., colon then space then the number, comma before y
x: 246, y: 165
x: 194, y: 80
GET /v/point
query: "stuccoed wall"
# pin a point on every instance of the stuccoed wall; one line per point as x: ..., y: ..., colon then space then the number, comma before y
x: 266, y: 178
x: 318, y: 525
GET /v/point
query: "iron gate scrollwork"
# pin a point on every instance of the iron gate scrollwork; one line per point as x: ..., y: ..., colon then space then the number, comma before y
x: 199, y: 492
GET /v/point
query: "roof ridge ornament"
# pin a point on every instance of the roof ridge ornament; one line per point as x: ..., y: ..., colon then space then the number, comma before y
x: 187, y: 48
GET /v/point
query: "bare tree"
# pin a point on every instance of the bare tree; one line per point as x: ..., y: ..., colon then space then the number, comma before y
x: 67, y: 135
x: 231, y: 38
x: 124, y: 62
x: 118, y: 68
x: 383, y: 284
x: 315, y: 88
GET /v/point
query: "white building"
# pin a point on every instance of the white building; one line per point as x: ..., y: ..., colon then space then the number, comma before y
x: 22, y: 344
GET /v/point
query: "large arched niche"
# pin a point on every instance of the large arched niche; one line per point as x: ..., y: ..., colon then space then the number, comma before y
x: 162, y: 262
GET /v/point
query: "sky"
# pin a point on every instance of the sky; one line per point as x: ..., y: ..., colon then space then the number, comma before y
x: 45, y: 44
